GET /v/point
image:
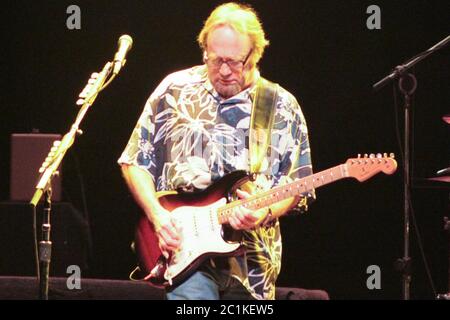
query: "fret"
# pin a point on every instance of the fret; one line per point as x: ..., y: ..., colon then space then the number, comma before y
x: 315, y: 182
x: 291, y: 190
x: 302, y: 187
x: 343, y: 169
x: 326, y: 177
x: 309, y: 182
x: 260, y: 203
x: 265, y: 202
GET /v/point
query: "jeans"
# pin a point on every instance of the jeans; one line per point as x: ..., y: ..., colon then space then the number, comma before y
x: 209, y: 283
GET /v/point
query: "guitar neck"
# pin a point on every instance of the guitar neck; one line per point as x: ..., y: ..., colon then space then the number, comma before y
x: 286, y: 191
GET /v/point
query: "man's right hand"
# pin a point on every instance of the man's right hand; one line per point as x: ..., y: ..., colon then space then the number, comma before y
x: 141, y: 186
x: 167, y: 231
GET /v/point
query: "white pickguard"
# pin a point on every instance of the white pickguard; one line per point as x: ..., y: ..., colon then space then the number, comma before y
x: 201, y: 233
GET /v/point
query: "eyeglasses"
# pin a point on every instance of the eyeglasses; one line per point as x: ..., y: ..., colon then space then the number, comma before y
x: 236, y: 65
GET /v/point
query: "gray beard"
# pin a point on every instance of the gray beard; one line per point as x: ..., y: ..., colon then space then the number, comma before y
x: 228, y: 91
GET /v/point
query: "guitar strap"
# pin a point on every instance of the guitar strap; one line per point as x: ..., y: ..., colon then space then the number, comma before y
x: 261, y: 122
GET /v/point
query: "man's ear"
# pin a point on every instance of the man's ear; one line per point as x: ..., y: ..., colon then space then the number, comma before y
x: 205, y: 56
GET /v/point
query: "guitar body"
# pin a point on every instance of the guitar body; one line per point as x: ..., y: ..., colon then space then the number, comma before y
x: 202, y: 236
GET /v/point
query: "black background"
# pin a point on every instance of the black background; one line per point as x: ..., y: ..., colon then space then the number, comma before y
x: 321, y: 51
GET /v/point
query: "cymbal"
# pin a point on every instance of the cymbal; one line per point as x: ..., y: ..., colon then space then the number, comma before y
x: 441, y: 179
x: 446, y: 118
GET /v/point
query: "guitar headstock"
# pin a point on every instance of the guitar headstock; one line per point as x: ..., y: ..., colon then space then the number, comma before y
x: 363, y: 168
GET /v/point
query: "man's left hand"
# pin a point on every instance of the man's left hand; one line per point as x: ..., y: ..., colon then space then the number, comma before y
x: 244, y: 218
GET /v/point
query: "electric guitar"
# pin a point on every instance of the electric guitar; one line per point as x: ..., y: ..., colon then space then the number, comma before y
x: 203, y: 215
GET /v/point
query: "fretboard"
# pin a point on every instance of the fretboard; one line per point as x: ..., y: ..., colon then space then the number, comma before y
x: 280, y: 193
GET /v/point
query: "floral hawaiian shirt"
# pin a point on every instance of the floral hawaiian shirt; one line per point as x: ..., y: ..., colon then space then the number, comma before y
x: 188, y: 137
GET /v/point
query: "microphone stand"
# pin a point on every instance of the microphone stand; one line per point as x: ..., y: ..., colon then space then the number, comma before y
x: 49, y: 169
x: 401, y: 74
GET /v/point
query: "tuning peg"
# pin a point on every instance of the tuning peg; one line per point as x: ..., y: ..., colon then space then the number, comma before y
x: 372, y: 156
x: 359, y: 155
x: 366, y: 155
x: 391, y: 155
x: 84, y: 93
x: 385, y: 155
x: 80, y: 102
x: 379, y: 156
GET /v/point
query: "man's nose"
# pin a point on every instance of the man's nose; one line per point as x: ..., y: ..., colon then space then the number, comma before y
x: 225, y: 70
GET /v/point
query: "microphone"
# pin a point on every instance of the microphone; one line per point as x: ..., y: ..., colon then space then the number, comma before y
x: 125, y: 43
